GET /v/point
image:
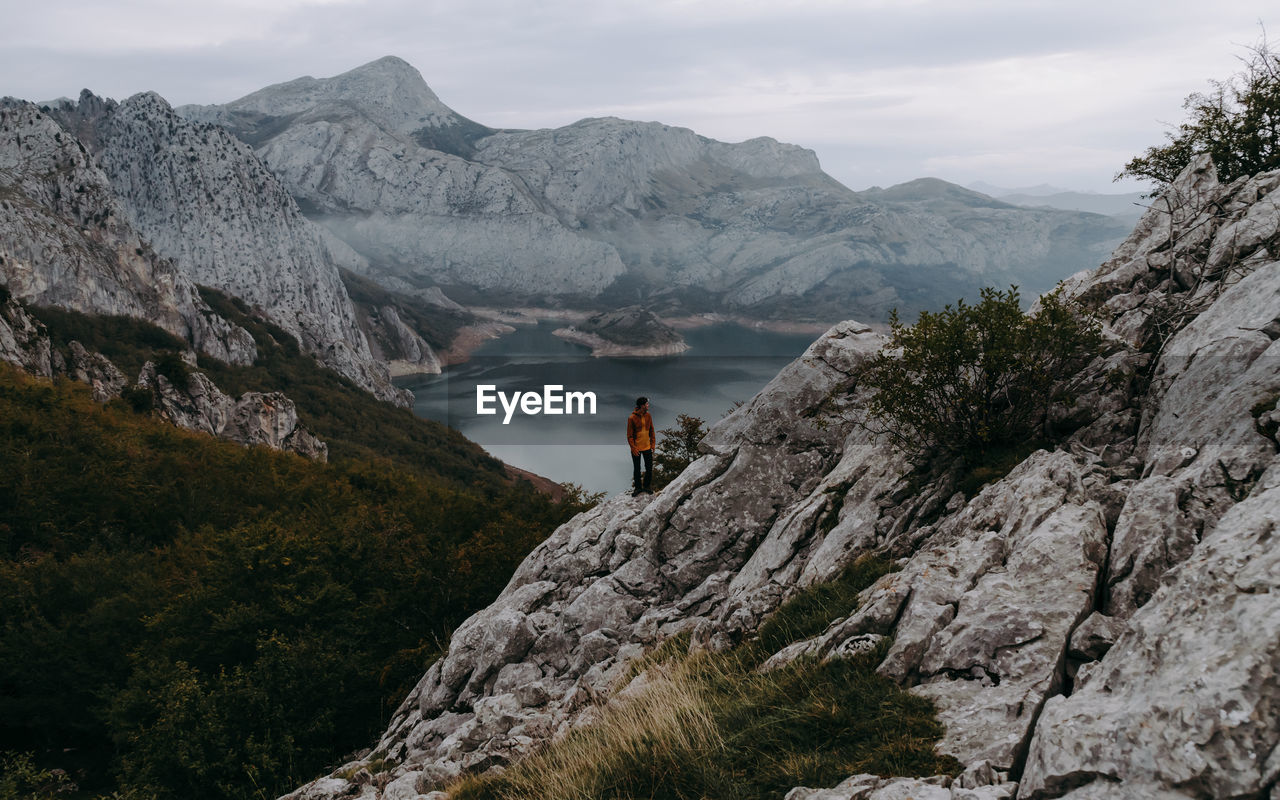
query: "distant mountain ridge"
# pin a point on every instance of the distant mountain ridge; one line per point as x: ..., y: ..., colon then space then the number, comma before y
x: 610, y: 212
x: 1129, y: 206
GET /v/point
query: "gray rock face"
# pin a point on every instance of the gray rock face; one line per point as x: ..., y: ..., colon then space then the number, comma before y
x: 204, y: 200
x: 872, y: 787
x: 257, y: 418
x: 66, y: 241
x: 1102, y: 622
x: 605, y: 209
x: 95, y: 369
x: 22, y: 340
x: 1189, y: 697
x: 396, y: 343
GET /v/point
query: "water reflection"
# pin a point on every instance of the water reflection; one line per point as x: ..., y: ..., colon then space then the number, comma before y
x: 726, y: 364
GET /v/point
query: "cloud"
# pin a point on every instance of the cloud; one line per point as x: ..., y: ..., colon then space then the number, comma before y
x: 884, y: 89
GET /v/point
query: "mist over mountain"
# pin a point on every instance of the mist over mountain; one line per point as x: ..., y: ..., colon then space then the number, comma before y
x: 1126, y: 206
x: 609, y: 212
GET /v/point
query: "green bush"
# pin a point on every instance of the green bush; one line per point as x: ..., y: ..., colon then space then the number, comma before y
x: 970, y: 379
x: 1237, y: 123
x: 22, y: 779
x: 171, y: 366
x: 677, y: 448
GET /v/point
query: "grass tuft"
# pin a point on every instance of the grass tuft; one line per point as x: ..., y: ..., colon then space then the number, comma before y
x: 707, y: 726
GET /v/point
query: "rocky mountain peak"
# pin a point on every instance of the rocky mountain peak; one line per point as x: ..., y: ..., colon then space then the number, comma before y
x: 203, y: 199
x: 67, y: 240
x: 608, y: 211
x: 934, y: 190
x: 389, y: 91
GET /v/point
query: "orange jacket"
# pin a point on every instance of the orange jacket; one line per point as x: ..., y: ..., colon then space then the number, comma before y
x: 640, y: 430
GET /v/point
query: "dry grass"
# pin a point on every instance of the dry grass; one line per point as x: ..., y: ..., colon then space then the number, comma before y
x: 652, y: 743
x: 708, y: 727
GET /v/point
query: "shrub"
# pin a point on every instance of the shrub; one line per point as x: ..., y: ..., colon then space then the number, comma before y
x: 22, y: 779
x: 1237, y: 123
x: 971, y: 378
x: 677, y: 448
x: 171, y: 365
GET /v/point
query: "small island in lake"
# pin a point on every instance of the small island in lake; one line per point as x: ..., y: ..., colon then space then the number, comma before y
x: 627, y: 332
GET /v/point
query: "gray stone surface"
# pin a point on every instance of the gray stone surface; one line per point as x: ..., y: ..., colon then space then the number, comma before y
x: 22, y: 340
x: 203, y: 199
x: 256, y: 418
x: 95, y: 369
x: 66, y: 240
x: 1189, y: 698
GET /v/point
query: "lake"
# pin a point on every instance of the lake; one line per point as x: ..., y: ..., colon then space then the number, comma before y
x: 725, y: 364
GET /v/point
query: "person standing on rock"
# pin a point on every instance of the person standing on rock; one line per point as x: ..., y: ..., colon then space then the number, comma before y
x: 641, y: 439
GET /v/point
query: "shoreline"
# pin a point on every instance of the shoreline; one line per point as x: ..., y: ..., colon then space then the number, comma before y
x: 469, y: 338
x: 498, y: 322
x: 603, y: 348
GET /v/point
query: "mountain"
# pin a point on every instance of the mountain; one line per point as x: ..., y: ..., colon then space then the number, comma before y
x: 1127, y: 206
x: 607, y: 212
x: 203, y: 199
x: 1103, y: 621
x: 66, y: 240
x: 1039, y: 190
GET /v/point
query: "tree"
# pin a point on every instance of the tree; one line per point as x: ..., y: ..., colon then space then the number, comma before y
x: 1237, y: 123
x: 677, y: 448
x: 971, y: 378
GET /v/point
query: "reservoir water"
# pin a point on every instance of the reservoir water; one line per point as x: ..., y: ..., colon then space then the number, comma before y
x: 725, y: 364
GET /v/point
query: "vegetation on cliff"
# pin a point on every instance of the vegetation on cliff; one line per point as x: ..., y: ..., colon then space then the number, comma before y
x: 974, y: 380
x: 1237, y: 123
x: 708, y: 726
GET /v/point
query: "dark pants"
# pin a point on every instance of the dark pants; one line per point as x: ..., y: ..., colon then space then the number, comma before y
x: 648, y: 470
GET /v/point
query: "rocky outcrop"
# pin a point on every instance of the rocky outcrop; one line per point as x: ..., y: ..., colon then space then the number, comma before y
x: 396, y: 343
x: 66, y: 241
x: 23, y: 342
x: 1103, y: 621
x: 608, y: 211
x: 105, y: 379
x: 202, y: 199
x: 628, y: 332
x: 257, y: 418
x: 872, y: 787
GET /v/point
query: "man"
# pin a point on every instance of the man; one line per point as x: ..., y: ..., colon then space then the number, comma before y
x: 640, y: 438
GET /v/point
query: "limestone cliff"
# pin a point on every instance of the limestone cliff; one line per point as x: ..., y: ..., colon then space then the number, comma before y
x: 256, y: 418
x: 1102, y: 622
x: 608, y: 212
x: 67, y: 241
x: 202, y: 198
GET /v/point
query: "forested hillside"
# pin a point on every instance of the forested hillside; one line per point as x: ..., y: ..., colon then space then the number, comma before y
x: 186, y: 617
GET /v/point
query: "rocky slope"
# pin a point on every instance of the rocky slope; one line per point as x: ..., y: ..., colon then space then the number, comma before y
x: 608, y: 212
x: 202, y: 199
x: 67, y: 241
x: 1102, y: 622
x: 256, y: 418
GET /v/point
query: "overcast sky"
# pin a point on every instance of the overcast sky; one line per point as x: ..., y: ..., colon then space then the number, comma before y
x: 1011, y: 92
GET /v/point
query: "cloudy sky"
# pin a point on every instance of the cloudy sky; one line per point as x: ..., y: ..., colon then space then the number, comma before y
x: 1011, y: 92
